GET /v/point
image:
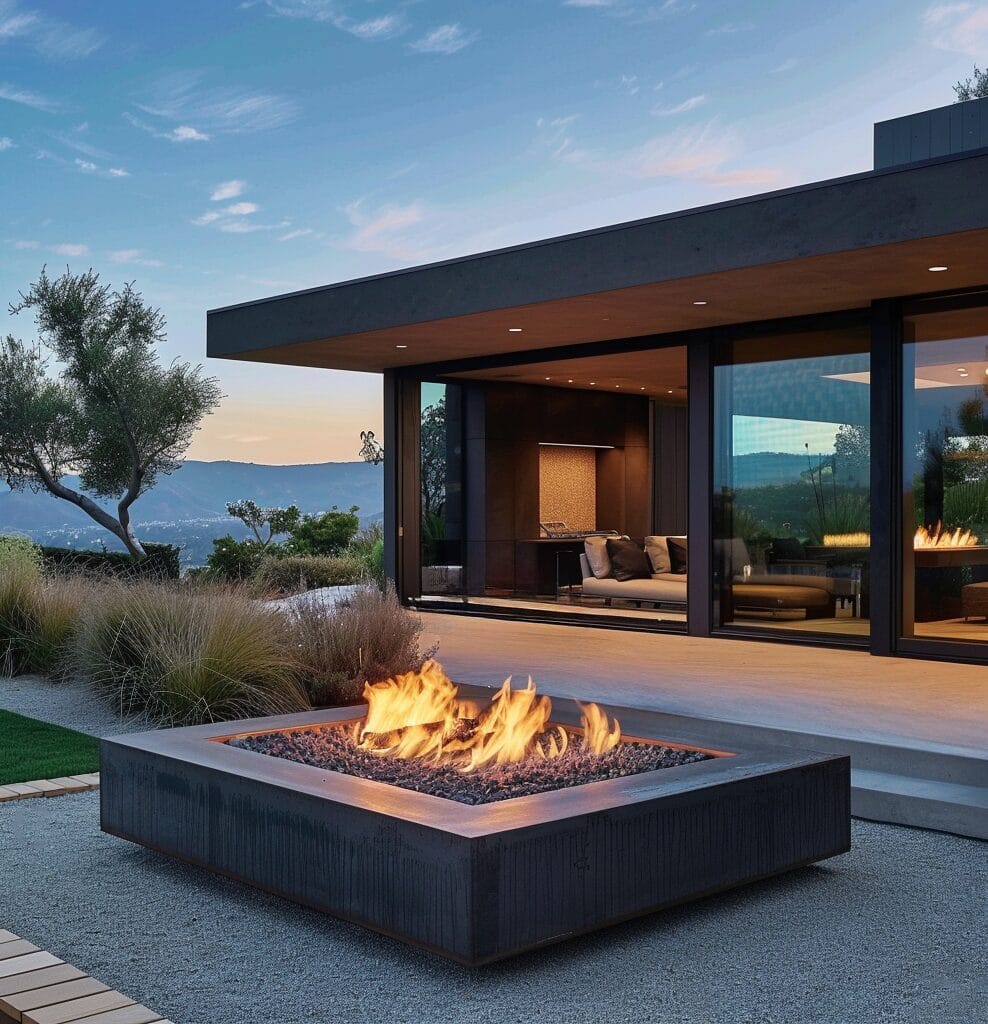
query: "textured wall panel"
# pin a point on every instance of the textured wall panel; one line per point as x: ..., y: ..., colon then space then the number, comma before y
x: 568, y: 486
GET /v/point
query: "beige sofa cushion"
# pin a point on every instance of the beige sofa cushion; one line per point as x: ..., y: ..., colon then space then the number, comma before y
x: 657, y: 549
x: 597, y: 556
x: 671, y: 590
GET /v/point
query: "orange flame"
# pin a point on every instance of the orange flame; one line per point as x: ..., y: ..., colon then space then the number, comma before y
x: 937, y: 538
x: 418, y: 715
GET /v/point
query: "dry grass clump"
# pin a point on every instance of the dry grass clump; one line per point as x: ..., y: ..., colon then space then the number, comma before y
x: 38, y: 617
x: 368, y: 637
x: 292, y: 575
x: 188, y: 655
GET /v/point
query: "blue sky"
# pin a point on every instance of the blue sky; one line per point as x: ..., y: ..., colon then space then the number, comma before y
x: 217, y: 152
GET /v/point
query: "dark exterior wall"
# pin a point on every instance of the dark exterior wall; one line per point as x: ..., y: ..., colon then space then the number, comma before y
x: 505, y: 423
x: 946, y: 131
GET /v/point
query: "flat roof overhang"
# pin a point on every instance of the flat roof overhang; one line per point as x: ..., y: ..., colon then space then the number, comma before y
x: 818, y: 248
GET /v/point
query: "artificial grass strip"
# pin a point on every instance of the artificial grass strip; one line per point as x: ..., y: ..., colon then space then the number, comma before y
x: 31, y: 749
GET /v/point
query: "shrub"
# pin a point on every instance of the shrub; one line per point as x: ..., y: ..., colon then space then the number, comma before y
x: 15, y: 548
x: 235, y: 560
x: 326, y: 534
x: 367, y: 638
x: 38, y: 617
x: 184, y: 655
x: 291, y: 575
x: 162, y: 562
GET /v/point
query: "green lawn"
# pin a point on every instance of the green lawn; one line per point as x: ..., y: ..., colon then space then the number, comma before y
x: 31, y: 750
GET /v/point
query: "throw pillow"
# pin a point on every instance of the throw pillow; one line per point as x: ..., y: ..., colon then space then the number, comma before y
x: 657, y: 549
x: 596, y: 552
x: 678, y: 555
x: 628, y: 560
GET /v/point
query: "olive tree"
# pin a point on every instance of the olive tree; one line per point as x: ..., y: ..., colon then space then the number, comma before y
x: 973, y: 88
x: 107, y: 410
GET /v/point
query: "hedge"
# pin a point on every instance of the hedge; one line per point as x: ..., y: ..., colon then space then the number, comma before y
x: 162, y: 562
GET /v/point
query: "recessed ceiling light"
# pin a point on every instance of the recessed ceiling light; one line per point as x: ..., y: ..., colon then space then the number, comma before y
x: 962, y: 371
x: 515, y: 330
x: 548, y: 378
x: 401, y: 346
x: 669, y: 392
x: 593, y: 382
x: 617, y: 385
x: 605, y: 318
x: 699, y: 302
x: 570, y: 381
x: 936, y: 270
x: 642, y: 388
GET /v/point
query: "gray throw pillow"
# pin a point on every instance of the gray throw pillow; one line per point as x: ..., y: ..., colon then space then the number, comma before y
x: 596, y: 551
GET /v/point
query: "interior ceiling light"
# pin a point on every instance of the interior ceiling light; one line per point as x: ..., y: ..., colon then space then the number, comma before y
x: 515, y: 330
x: 936, y: 270
x: 569, y: 381
x: 703, y: 302
x: 593, y: 382
x: 401, y: 346
x: 962, y: 371
x: 548, y: 378
x: 669, y: 392
x: 642, y: 388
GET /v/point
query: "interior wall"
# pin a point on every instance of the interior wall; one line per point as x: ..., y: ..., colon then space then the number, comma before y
x: 568, y: 487
x: 670, y: 438
x: 503, y: 452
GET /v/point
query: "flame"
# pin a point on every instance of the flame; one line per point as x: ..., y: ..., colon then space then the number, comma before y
x: 847, y: 540
x: 937, y: 538
x: 418, y: 715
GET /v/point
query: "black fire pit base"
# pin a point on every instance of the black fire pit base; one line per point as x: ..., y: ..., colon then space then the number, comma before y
x: 474, y: 883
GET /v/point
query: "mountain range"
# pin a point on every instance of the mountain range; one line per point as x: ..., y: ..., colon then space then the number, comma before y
x: 188, y: 508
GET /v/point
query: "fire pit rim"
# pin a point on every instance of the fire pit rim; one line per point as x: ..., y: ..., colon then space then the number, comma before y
x: 199, y: 745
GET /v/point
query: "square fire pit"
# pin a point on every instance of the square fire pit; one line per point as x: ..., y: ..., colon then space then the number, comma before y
x: 475, y: 883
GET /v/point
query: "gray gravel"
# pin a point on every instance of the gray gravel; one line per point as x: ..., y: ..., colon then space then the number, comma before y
x: 72, y: 704
x: 893, y: 931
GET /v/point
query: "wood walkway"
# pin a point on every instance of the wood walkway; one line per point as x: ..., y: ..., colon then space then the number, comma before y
x: 37, y: 987
x: 49, y: 787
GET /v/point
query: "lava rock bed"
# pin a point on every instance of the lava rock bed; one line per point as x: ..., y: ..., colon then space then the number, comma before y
x: 332, y: 748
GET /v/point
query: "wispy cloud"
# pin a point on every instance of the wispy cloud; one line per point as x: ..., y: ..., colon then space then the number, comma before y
x: 591, y: 3
x: 228, y: 190
x: 209, y: 217
x: 52, y: 38
x: 6, y: 142
x: 445, y: 39
x: 730, y: 28
x: 961, y: 27
x: 241, y: 209
x: 88, y: 167
x: 70, y: 249
x: 556, y: 135
x: 27, y: 98
x: 385, y: 229
x: 181, y: 133
x: 786, y: 65
x: 680, y: 108
x: 297, y: 233
x: 135, y: 257
x: 185, y: 100
x: 27, y: 243
x: 335, y: 13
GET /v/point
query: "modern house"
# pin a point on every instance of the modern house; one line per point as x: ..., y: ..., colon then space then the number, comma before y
x: 781, y: 401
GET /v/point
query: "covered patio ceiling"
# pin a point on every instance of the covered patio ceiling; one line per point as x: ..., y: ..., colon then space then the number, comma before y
x: 819, y: 248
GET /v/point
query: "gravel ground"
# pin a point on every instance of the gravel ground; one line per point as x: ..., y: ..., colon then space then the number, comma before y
x: 72, y: 704
x: 893, y: 931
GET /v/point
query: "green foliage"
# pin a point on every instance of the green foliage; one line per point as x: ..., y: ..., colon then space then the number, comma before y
x: 973, y: 88
x: 965, y: 505
x: 186, y: 655
x: 14, y: 548
x: 112, y: 413
x: 37, y: 750
x: 161, y: 561
x: 275, y: 520
x: 433, y: 462
x: 234, y: 560
x: 293, y: 574
x: 325, y: 534
x: 370, y: 638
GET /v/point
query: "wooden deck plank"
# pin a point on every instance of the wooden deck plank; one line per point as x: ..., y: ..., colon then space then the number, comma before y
x: 9, y: 793
x: 71, y: 785
x: 77, y: 1009
x: 6, y: 936
x: 39, y: 979
x: 50, y: 995
x: 23, y: 964
x: 89, y: 778
x: 23, y: 789
x: 16, y: 947
x: 135, y: 1014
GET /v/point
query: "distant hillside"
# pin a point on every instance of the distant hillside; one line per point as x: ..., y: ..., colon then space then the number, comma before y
x: 758, y: 469
x: 189, y: 507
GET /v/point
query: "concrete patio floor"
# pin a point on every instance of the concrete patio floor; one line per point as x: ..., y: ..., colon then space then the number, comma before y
x: 925, y: 704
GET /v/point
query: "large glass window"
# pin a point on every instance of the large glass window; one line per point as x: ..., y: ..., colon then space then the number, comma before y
x: 792, y: 482
x: 441, y: 489
x: 945, y: 475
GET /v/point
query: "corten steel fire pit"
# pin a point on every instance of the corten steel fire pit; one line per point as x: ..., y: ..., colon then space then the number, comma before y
x: 483, y: 882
